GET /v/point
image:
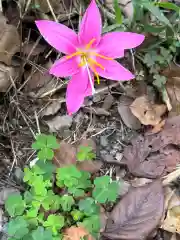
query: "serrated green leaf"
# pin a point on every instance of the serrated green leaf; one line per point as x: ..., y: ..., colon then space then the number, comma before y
x: 15, y: 205
x: 17, y: 228
x: 42, y: 234
x: 105, y: 190
x: 54, y: 223
x: 67, y: 202
x: 88, y: 206
x: 45, y: 154
x: 118, y: 12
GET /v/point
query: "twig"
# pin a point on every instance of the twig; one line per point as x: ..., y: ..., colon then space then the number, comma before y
x: 51, y: 9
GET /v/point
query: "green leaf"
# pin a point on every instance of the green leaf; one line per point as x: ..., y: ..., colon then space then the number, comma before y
x: 28, y: 197
x: 68, y: 176
x: 47, y: 169
x: 41, y: 234
x: 92, y: 225
x: 156, y: 12
x: 17, y: 228
x: 153, y: 29
x: 76, y: 192
x: 15, y: 205
x: 105, y: 190
x: 85, y: 153
x: 45, y: 153
x: 77, y: 215
x: 88, y: 206
x: 40, y: 142
x: 54, y: 223
x: 118, y: 12
x: 168, y: 5
x: 39, y: 186
x: 67, y: 202
x: 52, y: 142
x: 51, y: 201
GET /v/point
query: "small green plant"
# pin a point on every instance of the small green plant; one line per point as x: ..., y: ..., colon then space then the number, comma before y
x: 55, y: 200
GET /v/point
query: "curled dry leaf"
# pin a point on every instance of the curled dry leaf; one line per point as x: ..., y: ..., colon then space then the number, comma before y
x: 9, y: 41
x: 154, y: 155
x: 66, y: 155
x: 146, y: 111
x: 124, y: 110
x: 7, y: 77
x: 76, y: 233
x: 137, y: 214
x: 171, y: 221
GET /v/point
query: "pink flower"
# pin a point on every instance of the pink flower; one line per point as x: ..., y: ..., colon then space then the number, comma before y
x: 87, y: 54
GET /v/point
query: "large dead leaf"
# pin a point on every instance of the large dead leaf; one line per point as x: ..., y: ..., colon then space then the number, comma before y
x: 66, y: 155
x: 76, y: 233
x: 7, y: 77
x: 171, y: 222
x: 173, y: 88
x: 137, y: 214
x: 9, y: 41
x: 153, y: 155
x: 146, y: 111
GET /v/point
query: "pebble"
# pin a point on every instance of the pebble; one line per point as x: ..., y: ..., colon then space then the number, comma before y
x: 59, y: 123
x: 119, y: 156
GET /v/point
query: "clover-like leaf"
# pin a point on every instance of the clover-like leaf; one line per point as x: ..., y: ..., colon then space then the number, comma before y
x: 51, y: 201
x: 52, y: 142
x: 77, y: 215
x: 46, y: 153
x: 67, y: 202
x: 105, y: 190
x: 41, y: 142
x: 85, y: 153
x: 92, y: 225
x: 42, y: 234
x: 88, y: 206
x: 17, y: 228
x: 15, y: 205
x: 54, y: 223
x: 76, y: 192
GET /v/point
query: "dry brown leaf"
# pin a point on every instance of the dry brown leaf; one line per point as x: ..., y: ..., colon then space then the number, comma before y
x: 147, y: 112
x: 39, y: 83
x: 171, y: 222
x: 124, y: 110
x: 137, y: 214
x: 9, y: 41
x: 154, y: 155
x: 173, y: 88
x: 7, y: 77
x: 76, y: 233
x: 157, y: 128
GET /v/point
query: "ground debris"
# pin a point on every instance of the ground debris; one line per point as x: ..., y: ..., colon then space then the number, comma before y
x: 137, y: 214
x: 154, y: 155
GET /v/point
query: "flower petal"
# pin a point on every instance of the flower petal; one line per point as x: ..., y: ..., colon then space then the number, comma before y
x: 119, y: 41
x: 59, y: 36
x: 65, y: 67
x: 91, y: 25
x: 76, y: 91
x: 113, y: 70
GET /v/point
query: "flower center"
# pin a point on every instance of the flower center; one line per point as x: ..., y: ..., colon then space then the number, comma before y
x: 88, y: 58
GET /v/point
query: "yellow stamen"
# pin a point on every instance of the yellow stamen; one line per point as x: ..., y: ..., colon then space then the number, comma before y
x: 83, y: 62
x: 90, y: 44
x: 101, y: 56
x: 92, y: 61
x: 96, y: 74
x: 74, y: 54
